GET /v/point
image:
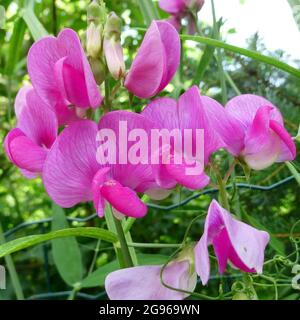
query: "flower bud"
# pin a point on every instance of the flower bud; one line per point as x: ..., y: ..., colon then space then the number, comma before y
x: 113, y: 50
x: 98, y: 69
x: 96, y: 12
x: 94, y: 40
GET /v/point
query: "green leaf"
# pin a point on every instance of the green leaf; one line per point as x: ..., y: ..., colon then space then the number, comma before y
x: 294, y: 171
x: 25, y: 242
x: 15, y: 46
x: 204, y: 63
x: 2, y: 17
x: 245, y: 52
x: 35, y: 27
x: 148, y: 10
x: 66, y: 252
x: 97, y: 278
x: 274, y: 243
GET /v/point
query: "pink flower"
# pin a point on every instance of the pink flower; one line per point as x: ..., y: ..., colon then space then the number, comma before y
x: 188, y: 114
x: 61, y: 74
x: 180, y: 9
x: 233, y: 241
x: 253, y: 128
x: 143, y: 282
x: 156, y: 61
x: 73, y: 175
x: 27, y: 145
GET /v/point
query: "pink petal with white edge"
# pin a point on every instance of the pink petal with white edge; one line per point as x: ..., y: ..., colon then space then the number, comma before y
x: 288, y: 147
x: 71, y: 164
x: 143, y: 282
x: 42, y: 59
x: 233, y: 240
x: 123, y: 199
x: 244, y: 108
x: 156, y: 61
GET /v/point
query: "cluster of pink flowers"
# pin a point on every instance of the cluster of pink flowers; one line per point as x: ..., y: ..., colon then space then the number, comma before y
x: 55, y: 139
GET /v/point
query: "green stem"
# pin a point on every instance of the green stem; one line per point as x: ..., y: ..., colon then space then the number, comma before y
x: 95, y: 257
x: 223, y: 198
x: 219, y: 56
x: 153, y: 245
x: 124, y: 247
x: 12, y: 270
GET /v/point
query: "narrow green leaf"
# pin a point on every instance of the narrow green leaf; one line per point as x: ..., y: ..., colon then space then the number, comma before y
x: 69, y: 265
x: 2, y: 17
x: 294, y: 171
x: 245, y: 52
x: 274, y: 243
x: 97, y: 278
x: 15, y: 46
x: 35, y: 27
x: 148, y: 10
x: 25, y: 242
x: 205, y: 60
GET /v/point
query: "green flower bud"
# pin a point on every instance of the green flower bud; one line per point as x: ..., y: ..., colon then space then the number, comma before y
x: 94, y: 40
x: 96, y: 12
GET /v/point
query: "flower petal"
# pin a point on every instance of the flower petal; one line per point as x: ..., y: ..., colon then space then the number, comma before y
x: 26, y: 154
x: 143, y: 282
x: 123, y: 199
x: 156, y: 61
x: 71, y: 164
x: 288, y: 147
x: 38, y: 121
x: 244, y: 108
x: 228, y: 128
x: 42, y: 58
x: 172, y: 6
x: 20, y: 100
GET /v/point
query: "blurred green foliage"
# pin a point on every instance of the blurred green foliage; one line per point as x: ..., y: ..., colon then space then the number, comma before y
x: 24, y: 200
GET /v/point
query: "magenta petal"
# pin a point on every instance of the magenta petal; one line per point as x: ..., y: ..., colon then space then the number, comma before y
x: 233, y: 240
x: 20, y: 100
x: 163, y: 112
x: 123, y: 199
x: 193, y: 115
x: 179, y: 173
x: 172, y: 6
x: 156, y: 61
x: 244, y: 108
x: 227, y: 127
x: 288, y: 147
x: 262, y: 147
x: 42, y: 59
x: 26, y: 154
x: 143, y: 282
x: 71, y: 164
x: 121, y: 123
x: 38, y: 121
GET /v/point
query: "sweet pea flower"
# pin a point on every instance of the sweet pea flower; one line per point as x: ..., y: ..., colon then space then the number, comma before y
x: 144, y: 283
x: 188, y: 113
x: 233, y: 241
x: 156, y: 61
x: 253, y: 129
x: 27, y: 145
x: 72, y: 173
x: 180, y: 9
x: 61, y: 74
